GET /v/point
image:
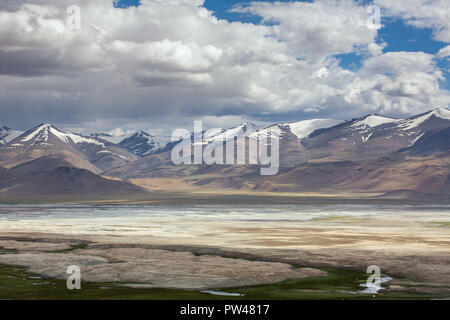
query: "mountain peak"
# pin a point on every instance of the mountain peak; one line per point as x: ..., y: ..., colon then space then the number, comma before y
x: 141, y: 143
x: 41, y: 135
x: 143, y: 134
x: 118, y: 135
x: 441, y: 112
x: 247, y: 124
x: 302, y: 129
x: 43, y: 126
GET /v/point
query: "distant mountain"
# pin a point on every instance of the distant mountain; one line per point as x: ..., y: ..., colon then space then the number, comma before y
x: 373, y: 136
x: 221, y: 135
x: 326, y: 140
x: 291, y: 136
x: 369, y: 154
x: 291, y: 150
x: 81, y: 151
x: 301, y: 129
x: 8, y: 134
x: 115, y: 136
x: 139, y: 143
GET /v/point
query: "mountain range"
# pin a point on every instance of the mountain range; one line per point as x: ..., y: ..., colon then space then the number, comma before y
x: 373, y: 154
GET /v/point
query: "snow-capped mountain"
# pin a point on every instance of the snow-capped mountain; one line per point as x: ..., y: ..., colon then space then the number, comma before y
x: 371, y: 153
x: 45, y: 134
x: 115, y: 136
x: 292, y: 151
x: 221, y: 135
x: 366, y: 138
x: 139, y: 143
x: 290, y: 136
x: 142, y: 143
x: 421, y: 121
x: 372, y: 121
x: 8, y: 134
x: 300, y: 129
x: 362, y: 138
x: 374, y: 135
x: 83, y: 151
x: 412, y: 128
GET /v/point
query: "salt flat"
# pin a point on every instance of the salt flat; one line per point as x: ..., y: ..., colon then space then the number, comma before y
x: 222, y: 246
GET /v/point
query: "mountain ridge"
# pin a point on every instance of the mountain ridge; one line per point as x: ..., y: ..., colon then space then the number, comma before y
x: 372, y: 153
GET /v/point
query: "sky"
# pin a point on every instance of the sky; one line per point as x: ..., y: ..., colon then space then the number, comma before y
x: 158, y: 65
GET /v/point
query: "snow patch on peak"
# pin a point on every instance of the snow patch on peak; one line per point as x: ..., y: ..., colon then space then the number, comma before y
x: 303, y: 129
x: 219, y: 135
x: 38, y: 133
x: 441, y: 112
x: 115, y: 136
x: 41, y: 135
x: 414, y: 122
x: 143, y: 134
x: 76, y: 138
x: 373, y: 121
x: 246, y: 126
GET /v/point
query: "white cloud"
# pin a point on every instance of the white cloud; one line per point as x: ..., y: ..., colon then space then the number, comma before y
x: 316, y: 30
x: 444, y: 52
x: 433, y: 14
x: 400, y: 82
x: 166, y: 61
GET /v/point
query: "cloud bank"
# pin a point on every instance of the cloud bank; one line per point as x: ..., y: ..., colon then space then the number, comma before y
x: 167, y: 62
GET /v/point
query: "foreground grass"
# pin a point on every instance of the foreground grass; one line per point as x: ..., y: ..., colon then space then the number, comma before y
x: 18, y: 284
x: 338, y: 285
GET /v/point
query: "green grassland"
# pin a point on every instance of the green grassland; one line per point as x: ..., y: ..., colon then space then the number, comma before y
x: 18, y: 284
